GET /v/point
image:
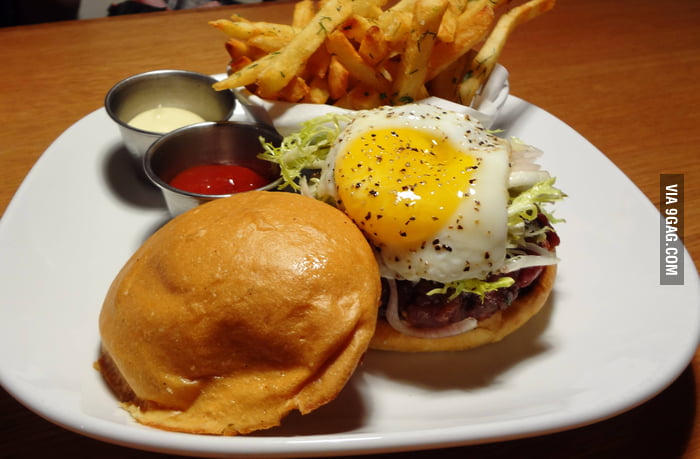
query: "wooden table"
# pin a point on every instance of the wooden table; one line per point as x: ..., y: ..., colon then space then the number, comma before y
x: 624, y: 74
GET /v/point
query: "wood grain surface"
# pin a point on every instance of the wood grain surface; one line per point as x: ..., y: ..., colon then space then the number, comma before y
x: 624, y: 74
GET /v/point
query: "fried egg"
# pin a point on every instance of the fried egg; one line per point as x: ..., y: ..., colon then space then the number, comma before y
x: 427, y: 186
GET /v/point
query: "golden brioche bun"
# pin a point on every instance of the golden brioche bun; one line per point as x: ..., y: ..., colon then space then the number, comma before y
x: 491, y: 330
x: 239, y: 311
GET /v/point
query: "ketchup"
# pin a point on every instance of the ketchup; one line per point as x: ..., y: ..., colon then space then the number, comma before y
x: 218, y: 179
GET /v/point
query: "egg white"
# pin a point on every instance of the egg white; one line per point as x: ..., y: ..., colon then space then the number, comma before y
x: 472, y: 242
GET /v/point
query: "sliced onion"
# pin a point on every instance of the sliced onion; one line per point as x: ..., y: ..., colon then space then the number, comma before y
x: 392, y: 316
x: 527, y: 261
x: 524, y: 156
x: 304, y: 188
x: 522, y: 179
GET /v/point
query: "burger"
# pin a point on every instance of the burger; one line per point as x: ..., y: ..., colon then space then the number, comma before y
x: 239, y: 311
x: 456, y: 216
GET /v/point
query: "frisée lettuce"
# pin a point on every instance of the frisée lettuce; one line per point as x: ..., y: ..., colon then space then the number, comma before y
x: 304, y: 150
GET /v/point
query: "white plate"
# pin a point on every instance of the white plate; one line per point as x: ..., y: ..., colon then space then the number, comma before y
x: 610, y: 338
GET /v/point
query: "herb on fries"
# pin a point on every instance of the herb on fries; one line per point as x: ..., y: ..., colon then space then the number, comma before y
x: 360, y: 54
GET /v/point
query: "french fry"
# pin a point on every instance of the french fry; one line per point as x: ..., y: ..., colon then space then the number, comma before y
x: 446, y: 83
x: 409, y: 84
x: 472, y: 27
x: 373, y: 47
x: 364, y: 53
x: 361, y: 97
x: 240, y: 63
x: 295, y: 91
x: 269, y: 43
x: 396, y: 28
x: 390, y: 67
x: 317, y: 64
x: 338, y: 79
x: 356, y: 27
x: 243, y: 76
x: 244, y: 29
x: 488, y: 55
x: 286, y: 64
x: 405, y: 6
x: 233, y: 29
x: 318, y: 91
x: 448, y: 25
x: 370, y: 9
x: 303, y: 13
x: 239, y: 48
x: 339, y: 46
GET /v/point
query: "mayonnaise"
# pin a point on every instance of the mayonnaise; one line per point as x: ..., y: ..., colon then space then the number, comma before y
x: 164, y: 119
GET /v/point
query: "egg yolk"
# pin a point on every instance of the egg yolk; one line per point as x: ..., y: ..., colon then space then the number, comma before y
x: 401, y: 185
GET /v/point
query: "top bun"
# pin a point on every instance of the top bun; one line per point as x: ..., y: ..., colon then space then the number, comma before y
x: 239, y: 311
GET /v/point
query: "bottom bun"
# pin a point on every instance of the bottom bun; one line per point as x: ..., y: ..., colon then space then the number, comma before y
x: 490, y: 330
